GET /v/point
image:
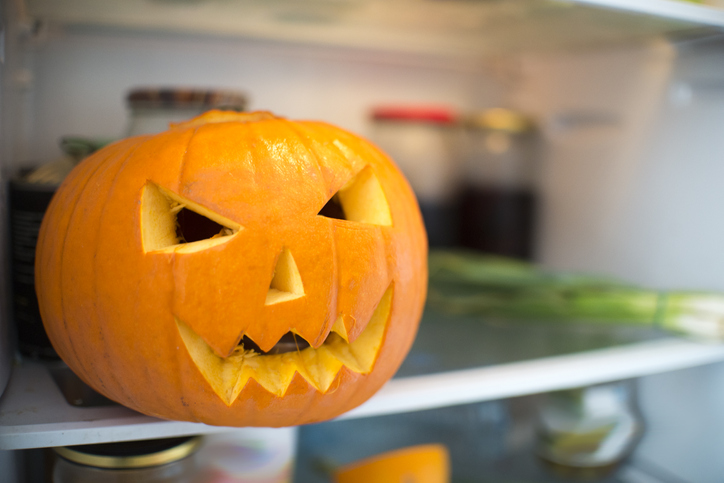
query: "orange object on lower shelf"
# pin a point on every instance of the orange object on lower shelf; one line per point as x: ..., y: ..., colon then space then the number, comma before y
x: 428, y: 463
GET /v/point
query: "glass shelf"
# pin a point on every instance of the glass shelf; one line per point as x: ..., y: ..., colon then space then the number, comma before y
x: 448, y: 343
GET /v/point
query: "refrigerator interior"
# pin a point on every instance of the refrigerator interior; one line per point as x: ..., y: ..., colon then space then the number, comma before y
x: 630, y: 166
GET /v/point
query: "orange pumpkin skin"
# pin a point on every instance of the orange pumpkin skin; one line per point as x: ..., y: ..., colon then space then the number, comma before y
x: 112, y: 308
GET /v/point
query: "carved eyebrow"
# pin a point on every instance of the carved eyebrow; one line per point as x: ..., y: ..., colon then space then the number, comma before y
x: 171, y: 223
x: 361, y: 200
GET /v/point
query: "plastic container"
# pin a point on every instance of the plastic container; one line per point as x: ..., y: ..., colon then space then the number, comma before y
x: 422, y: 142
x: 246, y: 455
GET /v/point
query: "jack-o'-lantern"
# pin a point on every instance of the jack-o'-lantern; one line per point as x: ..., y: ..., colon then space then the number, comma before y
x: 238, y: 269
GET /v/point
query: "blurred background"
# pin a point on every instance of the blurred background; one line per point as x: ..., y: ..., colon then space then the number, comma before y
x: 570, y: 137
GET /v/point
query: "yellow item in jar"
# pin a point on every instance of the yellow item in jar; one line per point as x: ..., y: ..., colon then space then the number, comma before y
x: 415, y: 464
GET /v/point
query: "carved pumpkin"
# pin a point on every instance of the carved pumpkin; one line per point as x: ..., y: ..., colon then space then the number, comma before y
x: 176, y: 271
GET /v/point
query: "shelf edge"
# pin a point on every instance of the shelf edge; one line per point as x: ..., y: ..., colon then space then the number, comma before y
x: 537, y: 376
x: 413, y: 393
x: 676, y: 10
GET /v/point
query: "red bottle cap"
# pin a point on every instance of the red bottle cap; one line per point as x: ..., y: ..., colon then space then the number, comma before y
x: 439, y: 115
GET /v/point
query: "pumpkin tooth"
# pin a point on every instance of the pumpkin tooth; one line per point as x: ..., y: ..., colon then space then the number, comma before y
x: 275, y: 372
x: 339, y: 328
x: 342, y: 352
x: 321, y: 366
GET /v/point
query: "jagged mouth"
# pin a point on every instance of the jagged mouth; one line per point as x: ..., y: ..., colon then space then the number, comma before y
x: 275, y: 369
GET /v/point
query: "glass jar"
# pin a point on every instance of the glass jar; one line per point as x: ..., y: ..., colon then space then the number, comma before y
x: 29, y: 194
x: 499, y: 197
x: 587, y: 432
x: 421, y: 141
x: 152, y: 109
x: 167, y: 460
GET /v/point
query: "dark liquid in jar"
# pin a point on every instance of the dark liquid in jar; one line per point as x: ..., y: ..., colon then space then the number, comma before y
x: 441, y: 223
x: 28, y: 203
x: 498, y: 220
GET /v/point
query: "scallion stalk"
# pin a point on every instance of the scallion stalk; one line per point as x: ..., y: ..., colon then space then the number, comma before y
x: 473, y: 283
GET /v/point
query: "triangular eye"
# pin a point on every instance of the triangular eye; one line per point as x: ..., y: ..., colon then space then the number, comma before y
x: 286, y: 284
x: 170, y: 223
x: 333, y: 209
x: 361, y: 199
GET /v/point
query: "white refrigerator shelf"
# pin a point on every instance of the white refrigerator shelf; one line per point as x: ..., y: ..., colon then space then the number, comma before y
x: 449, y: 28
x: 443, y: 369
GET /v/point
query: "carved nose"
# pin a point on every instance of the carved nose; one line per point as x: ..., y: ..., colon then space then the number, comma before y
x: 286, y: 283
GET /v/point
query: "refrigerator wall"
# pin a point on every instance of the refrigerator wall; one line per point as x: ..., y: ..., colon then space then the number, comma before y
x: 633, y: 189
x: 630, y: 163
x: 80, y: 78
x: 634, y: 161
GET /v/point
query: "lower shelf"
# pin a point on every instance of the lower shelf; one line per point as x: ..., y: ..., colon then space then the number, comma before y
x: 493, y: 441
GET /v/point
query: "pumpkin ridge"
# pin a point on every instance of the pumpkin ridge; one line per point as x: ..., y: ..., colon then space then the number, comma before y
x: 334, y: 296
x: 303, y: 137
x: 108, y: 348
x: 63, y: 259
x: 356, y: 332
x: 305, y: 128
x: 101, y: 166
x: 184, y: 157
x: 363, y: 273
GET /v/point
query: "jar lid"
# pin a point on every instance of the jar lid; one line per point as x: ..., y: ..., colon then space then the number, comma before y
x: 500, y: 119
x: 174, y: 98
x: 432, y: 114
x: 131, y: 454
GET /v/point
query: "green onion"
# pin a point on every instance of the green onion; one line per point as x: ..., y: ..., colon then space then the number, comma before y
x: 475, y: 283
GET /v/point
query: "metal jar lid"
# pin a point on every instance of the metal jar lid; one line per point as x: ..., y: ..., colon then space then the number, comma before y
x: 179, y: 98
x: 500, y: 119
x: 131, y: 454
